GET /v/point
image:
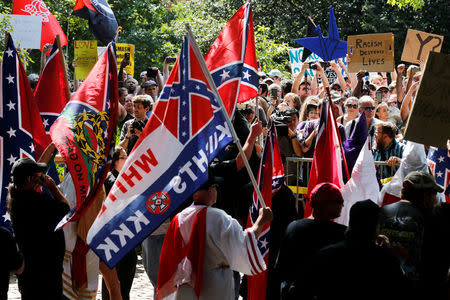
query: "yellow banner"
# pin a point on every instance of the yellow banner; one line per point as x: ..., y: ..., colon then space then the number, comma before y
x: 121, y: 49
x: 85, y: 53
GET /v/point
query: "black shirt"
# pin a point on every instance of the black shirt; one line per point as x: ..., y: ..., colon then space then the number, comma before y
x: 10, y: 259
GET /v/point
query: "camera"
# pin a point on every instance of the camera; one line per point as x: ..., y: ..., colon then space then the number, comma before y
x: 366, y: 73
x: 152, y: 72
x: 127, y: 56
x: 274, y: 93
x: 137, y: 124
x: 171, y: 60
x: 324, y: 64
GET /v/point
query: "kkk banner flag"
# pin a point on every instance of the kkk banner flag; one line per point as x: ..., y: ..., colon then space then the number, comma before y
x: 439, y: 162
x: 85, y: 133
x: 232, y: 60
x: 327, y: 160
x: 21, y: 130
x: 102, y: 22
x: 270, y: 178
x: 50, y: 26
x: 168, y: 163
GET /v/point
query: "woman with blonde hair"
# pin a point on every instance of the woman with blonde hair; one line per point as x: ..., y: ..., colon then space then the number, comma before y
x: 293, y: 100
x: 351, y: 111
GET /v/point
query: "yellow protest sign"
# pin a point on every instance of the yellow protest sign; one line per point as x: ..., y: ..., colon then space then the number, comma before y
x: 85, y: 54
x: 429, y: 121
x: 371, y: 52
x: 121, y: 49
x: 418, y: 44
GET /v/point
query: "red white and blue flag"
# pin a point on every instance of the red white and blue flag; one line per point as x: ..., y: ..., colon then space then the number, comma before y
x: 51, y: 92
x: 232, y: 60
x: 50, y: 26
x: 270, y: 178
x: 21, y: 130
x: 439, y: 162
x: 102, y: 21
x: 85, y: 133
x: 168, y: 163
x: 327, y: 160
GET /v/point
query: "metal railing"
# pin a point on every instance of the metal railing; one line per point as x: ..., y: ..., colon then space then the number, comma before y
x: 299, y: 184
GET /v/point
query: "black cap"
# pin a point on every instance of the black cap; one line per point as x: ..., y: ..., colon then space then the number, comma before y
x: 211, y: 180
x: 26, y: 167
x: 364, y: 213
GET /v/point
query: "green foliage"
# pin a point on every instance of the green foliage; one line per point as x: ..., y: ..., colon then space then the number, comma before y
x: 157, y: 27
x: 415, y: 4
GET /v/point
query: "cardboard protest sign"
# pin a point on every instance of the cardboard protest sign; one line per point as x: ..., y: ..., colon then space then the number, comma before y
x: 85, y: 53
x: 429, y: 121
x: 121, y: 49
x: 371, y: 52
x: 418, y: 44
x: 26, y: 30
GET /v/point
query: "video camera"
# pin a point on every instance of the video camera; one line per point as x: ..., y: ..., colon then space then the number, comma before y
x: 137, y: 124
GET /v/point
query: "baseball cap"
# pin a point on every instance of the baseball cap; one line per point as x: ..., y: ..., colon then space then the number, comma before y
x: 383, y: 87
x: 150, y: 83
x: 275, y: 72
x: 211, y: 181
x: 26, y: 166
x: 262, y: 74
x: 335, y: 96
x: 364, y: 213
x: 421, y: 180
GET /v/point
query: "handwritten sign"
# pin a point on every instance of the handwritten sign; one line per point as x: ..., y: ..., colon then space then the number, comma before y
x: 371, y: 52
x: 121, y: 50
x: 25, y: 31
x: 429, y: 121
x: 85, y: 53
x: 419, y: 43
x: 295, y: 58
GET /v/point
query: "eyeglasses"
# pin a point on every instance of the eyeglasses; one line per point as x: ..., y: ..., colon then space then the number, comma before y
x: 123, y: 157
x: 370, y: 108
x: 392, y: 103
x: 384, y: 92
x: 305, y: 89
x: 337, y: 89
x: 355, y: 106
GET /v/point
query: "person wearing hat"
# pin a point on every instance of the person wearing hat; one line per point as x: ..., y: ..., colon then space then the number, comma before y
x: 151, y: 89
x: 202, y: 247
x: 303, y: 238
x: 34, y: 216
x: 382, y: 94
x: 352, y: 268
x: 419, y: 236
x: 276, y: 75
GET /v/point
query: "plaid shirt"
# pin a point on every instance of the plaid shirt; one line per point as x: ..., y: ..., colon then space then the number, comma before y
x: 394, y: 149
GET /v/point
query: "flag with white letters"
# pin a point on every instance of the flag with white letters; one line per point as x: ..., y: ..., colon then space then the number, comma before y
x: 168, y: 163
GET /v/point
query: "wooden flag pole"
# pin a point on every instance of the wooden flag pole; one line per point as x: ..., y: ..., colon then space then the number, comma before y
x: 63, y: 62
x: 224, y: 111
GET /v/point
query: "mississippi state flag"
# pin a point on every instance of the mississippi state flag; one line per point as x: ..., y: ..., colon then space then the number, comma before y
x: 327, y: 160
x: 232, y: 60
x: 21, y: 130
x: 168, y: 163
x: 85, y: 133
x: 439, y: 162
x: 102, y: 21
x: 50, y: 26
x: 270, y: 178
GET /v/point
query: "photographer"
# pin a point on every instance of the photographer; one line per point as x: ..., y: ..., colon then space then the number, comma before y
x: 132, y: 129
x: 152, y: 83
x: 275, y: 99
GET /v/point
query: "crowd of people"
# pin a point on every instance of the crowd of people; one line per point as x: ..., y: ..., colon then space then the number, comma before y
x: 398, y: 251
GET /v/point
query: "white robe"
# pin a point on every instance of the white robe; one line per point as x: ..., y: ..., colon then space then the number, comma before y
x: 227, y: 248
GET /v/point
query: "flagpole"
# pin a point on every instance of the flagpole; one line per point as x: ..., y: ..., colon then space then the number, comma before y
x: 327, y: 89
x: 224, y: 111
x: 63, y: 62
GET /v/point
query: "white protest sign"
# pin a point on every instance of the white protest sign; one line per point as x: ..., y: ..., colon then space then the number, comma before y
x: 295, y: 58
x: 26, y: 30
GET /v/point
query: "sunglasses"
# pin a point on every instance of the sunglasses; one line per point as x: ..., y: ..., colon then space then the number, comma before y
x: 305, y: 89
x: 391, y: 103
x: 355, y: 106
x: 337, y: 89
x: 123, y: 157
x: 370, y: 108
